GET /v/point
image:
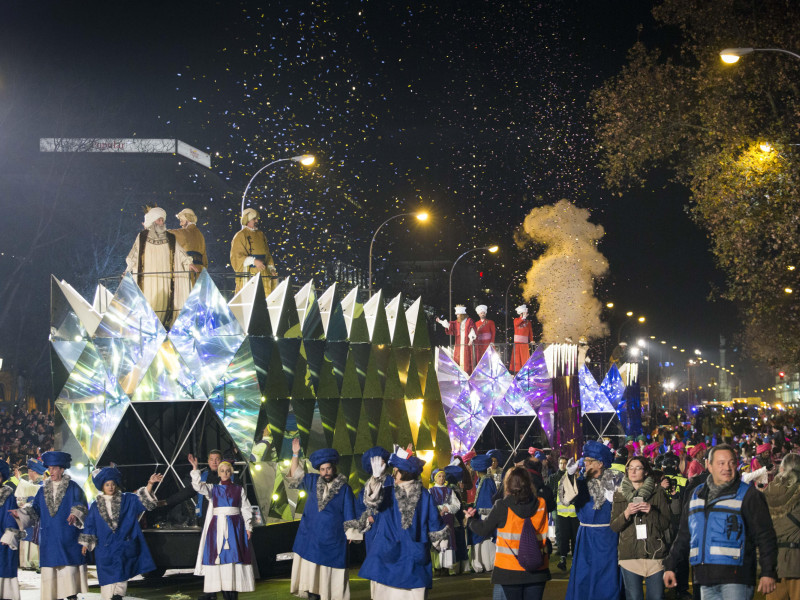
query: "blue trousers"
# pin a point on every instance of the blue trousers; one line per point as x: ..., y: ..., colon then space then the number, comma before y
x: 633, y: 585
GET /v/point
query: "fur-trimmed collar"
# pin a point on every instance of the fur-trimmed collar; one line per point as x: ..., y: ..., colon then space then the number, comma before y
x: 335, y: 486
x: 598, y: 486
x: 53, y: 505
x: 111, y: 520
x: 5, y: 492
x: 407, y: 496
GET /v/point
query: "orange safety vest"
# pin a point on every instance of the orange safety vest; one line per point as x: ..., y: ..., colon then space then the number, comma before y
x: 507, y: 547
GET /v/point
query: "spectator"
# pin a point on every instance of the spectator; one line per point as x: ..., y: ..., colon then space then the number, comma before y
x: 726, y: 520
x: 783, y: 499
x: 641, y: 517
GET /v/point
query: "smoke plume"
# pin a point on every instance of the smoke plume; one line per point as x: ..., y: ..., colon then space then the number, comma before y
x: 562, y: 279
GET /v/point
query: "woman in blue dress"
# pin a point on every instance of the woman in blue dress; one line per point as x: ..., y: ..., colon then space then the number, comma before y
x: 112, y: 530
x: 449, y: 507
x: 9, y: 554
x: 483, y: 548
x: 224, y: 558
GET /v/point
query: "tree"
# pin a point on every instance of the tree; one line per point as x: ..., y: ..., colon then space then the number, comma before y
x: 730, y: 134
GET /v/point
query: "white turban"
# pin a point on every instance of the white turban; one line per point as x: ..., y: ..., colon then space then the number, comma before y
x: 481, y: 309
x: 188, y: 214
x: 522, y: 308
x: 248, y: 215
x: 461, y: 310
x: 153, y: 215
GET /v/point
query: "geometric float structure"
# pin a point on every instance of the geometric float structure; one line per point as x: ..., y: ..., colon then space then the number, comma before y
x: 244, y: 375
x: 601, y: 404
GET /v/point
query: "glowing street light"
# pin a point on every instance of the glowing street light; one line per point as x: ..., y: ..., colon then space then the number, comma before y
x: 641, y: 343
x: 304, y: 159
x: 609, y: 305
x: 765, y: 147
x: 732, y: 55
x: 788, y: 290
x: 421, y: 216
x: 641, y: 319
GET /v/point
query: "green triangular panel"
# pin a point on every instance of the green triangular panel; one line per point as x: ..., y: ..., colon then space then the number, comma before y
x: 400, y: 337
x: 422, y: 338
x: 398, y: 417
x: 359, y: 332
x: 377, y: 325
x: 289, y: 350
x: 302, y: 380
x: 329, y: 410
x: 443, y: 449
x: 393, y: 388
x: 337, y: 353
x: 373, y: 409
x: 361, y: 354
x: 367, y: 431
x: 432, y: 408
x: 350, y: 409
x: 314, y: 352
x: 385, y: 434
x: 341, y: 434
x: 283, y: 312
x: 312, y: 326
x: 423, y: 358
x: 402, y: 360
x: 318, y: 437
x: 262, y: 349
x: 304, y: 414
x: 413, y: 388
x: 351, y: 383
x: 328, y: 386
x: 337, y: 330
x: 373, y: 384
x: 277, y: 410
x: 381, y: 354
x: 357, y: 477
x: 345, y: 466
x: 424, y: 438
x: 259, y: 319
x: 275, y: 385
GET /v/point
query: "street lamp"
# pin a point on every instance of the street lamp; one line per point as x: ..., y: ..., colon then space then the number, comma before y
x: 304, y: 159
x: 732, y: 55
x: 490, y: 249
x: 421, y: 216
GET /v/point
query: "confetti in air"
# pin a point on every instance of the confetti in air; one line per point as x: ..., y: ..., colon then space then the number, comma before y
x: 563, y: 278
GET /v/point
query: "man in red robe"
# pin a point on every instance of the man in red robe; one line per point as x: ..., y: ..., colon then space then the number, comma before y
x: 485, y: 329
x: 523, y: 336
x: 463, y: 329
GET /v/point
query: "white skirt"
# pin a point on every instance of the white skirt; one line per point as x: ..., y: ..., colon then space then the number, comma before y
x: 311, y: 578
x: 230, y: 577
x: 483, y: 556
x: 60, y: 582
x: 9, y: 588
x: 113, y: 589
x: 386, y: 592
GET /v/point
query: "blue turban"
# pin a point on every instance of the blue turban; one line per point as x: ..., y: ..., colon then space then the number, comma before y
x: 36, y: 466
x: 324, y: 456
x: 367, y: 457
x: 496, y: 454
x: 55, y: 458
x: 598, y: 451
x: 106, y: 474
x: 481, y: 462
x: 412, y: 464
x: 454, y: 473
x: 5, y: 471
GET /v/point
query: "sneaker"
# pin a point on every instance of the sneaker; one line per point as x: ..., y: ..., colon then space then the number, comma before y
x: 562, y: 563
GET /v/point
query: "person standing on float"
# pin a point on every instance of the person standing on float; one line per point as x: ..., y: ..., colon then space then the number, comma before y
x: 485, y: 330
x: 523, y: 337
x: 463, y: 330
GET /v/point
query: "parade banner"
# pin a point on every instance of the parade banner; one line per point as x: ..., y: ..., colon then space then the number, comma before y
x: 125, y: 145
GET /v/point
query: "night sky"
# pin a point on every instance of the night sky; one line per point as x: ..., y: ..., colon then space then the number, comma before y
x: 475, y: 111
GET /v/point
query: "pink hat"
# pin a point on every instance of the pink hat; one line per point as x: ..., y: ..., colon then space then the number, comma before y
x: 763, y: 448
x: 695, y: 449
x: 678, y: 446
x: 650, y: 451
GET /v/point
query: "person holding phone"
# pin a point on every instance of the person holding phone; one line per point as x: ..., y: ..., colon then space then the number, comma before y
x: 640, y: 515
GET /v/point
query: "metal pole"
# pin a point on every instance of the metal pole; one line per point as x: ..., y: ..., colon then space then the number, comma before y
x: 374, y: 235
x: 256, y: 175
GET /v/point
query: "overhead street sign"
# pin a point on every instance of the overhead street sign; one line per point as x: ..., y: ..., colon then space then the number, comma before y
x: 124, y: 145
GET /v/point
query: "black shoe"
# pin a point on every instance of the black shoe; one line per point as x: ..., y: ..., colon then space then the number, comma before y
x: 116, y: 597
x: 211, y: 596
x: 562, y: 563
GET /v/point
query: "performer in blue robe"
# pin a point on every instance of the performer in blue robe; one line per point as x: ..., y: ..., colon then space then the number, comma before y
x: 60, y: 508
x: 25, y: 493
x: 595, y: 573
x: 11, y: 534
x: 319, y: 568
x: 449, y: 506
x: 483, y: 548
x: 112, y: 530
x: 363, y: 512
x: 399, y: 560
x: 224, y: 558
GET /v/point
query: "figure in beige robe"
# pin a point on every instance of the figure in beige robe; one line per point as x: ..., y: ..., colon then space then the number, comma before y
x: 250, y: 254
x: 161, y: 268
x: 191, y: 240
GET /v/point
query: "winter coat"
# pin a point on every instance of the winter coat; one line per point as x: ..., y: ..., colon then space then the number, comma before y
x: 657, y: 522
x: 784, y: 501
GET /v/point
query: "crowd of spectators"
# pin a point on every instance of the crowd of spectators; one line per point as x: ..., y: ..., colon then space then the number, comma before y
x: 24, y: 435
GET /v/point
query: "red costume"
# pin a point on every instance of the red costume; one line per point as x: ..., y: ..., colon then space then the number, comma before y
x: 486, y: 332
x: 523, y: 335
x: 463, y: 349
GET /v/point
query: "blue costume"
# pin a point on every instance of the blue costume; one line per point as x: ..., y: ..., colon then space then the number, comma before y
x: 112, y: 530
x: 9, y: 555
x: 320, y: 546
x: 399, y: 555
x: 483, y: 548
x: 595, y: 573
x: 362, y: 511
